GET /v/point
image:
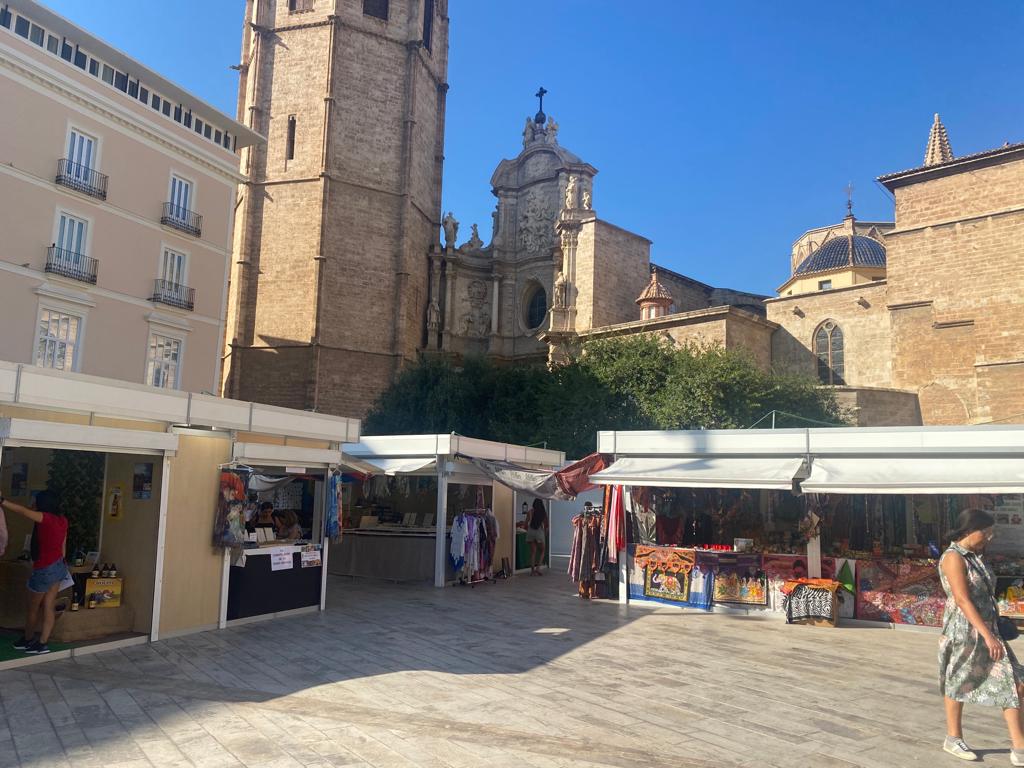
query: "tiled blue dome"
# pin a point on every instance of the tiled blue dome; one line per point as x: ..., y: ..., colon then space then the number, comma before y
x: 835, y: 253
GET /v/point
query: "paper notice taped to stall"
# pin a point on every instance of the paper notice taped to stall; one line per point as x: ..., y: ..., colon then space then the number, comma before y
x: 281, y: 561
x: 310, y: 557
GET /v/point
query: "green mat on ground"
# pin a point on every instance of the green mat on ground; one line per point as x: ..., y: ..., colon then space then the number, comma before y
x: 7, y: 652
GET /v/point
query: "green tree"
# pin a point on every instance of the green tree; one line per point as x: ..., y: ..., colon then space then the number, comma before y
x: 77, y: 479
x: 635, y: 382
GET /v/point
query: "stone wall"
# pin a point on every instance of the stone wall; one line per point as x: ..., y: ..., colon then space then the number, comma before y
x: 717, y: 326
x: 956, y: 276
x: 876, y: 407
x: 622, y: 271
x: 861, y: 313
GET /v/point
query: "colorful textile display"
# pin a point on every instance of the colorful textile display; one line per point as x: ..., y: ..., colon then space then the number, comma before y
x: 781, y: 568
x: 811, y: 600
x: 333, y: 517
x: 666, y: 572
x: 587, y: 554
x: 616, y: 525
x: 739, y: 578
x: 472, y: 546
x: 900, y: 592
x: 670, y: 575
x: 229, y: 521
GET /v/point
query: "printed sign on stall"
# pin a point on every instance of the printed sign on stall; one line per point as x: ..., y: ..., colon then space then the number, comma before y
x: 281, y: 561
x: 310, y: 557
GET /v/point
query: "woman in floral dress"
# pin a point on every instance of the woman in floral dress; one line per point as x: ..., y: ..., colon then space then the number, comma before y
x: 975, y: 664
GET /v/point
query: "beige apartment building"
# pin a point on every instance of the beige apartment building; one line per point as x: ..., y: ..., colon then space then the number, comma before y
x: 117, y: 198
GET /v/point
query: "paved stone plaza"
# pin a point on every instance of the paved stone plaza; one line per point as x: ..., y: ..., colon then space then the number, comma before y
x: 517, y: 674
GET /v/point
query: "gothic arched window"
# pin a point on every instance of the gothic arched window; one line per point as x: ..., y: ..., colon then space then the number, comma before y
x: 828, y: 348
x: 536, y: 307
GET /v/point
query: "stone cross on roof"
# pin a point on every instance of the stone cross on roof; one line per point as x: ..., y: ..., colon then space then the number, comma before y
x: 540, y: 117
x: 938, y: 150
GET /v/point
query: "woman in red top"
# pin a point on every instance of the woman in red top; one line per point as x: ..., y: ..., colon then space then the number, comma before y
x: 49, y: 539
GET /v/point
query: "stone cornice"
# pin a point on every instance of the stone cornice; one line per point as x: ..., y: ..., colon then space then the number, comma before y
x: 694, y: 317
x: 98, y: 104
x: 873, y: 285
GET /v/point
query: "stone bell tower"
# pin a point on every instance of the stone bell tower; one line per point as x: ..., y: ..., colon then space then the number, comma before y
x: 342, y: 207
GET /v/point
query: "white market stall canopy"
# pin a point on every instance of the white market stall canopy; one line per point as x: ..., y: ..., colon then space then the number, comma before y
x: 920, y: 474
x: 405, y: 447
x: 285, y: 456
x: 890, y: 460
x: 34, y: 387
x: 709, y: 472
x: 50, y: 434
x: 423, y: 465
x: 421, y: 455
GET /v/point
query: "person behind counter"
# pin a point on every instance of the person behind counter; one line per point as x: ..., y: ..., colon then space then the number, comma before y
x: 287, y: 524
x: 49, y: 541
x: 264, y: 517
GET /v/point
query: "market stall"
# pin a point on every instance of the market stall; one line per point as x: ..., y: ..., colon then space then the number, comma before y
x: 398, y: 519
x: 138, y: 470
x: 730, y: 518
x: 113, y: 485
x: 272, y: 517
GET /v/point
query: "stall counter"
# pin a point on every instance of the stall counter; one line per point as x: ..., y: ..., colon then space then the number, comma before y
x: 394, y: 554
x: 272, y: 580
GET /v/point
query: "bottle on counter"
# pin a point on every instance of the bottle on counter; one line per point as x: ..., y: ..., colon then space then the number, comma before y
x: 105, y: 571
x: 113, y: 570
x: 79, y: 559
x: 95, y: 570
x: 92, y: 600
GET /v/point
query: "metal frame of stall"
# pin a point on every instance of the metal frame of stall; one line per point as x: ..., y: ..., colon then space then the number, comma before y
x: 419, y: 454
x: 867, y: 460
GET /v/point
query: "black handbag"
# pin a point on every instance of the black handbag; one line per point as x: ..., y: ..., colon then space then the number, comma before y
x: 1007, y: 628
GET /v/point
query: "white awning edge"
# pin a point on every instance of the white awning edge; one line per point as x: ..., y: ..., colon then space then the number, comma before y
x: 392, y: 467
x: 712, y: 472
x: 918, y: 475
x: 54, y: 434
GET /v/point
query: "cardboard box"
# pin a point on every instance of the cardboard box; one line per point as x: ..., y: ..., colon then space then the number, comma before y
x: 107, y: 591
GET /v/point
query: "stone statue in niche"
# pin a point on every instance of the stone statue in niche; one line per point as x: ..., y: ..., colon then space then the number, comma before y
x: 451, y: 229
x: 495, y: 221
x: 560, y: 290
x: 570, y: 194
x: 586, y: 200
x: 433, y: 316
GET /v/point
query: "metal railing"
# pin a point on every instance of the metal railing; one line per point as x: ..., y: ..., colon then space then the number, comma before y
x: 60, y: 261
x: 182, y: 219
x: 174, y: 295
x: 81, y: 178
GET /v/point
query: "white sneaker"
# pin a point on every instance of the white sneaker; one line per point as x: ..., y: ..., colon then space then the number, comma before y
x: 958, y: 748
x: 1017, y: 757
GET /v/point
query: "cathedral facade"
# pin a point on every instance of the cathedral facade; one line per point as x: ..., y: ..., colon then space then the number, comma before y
x: 345, y: 269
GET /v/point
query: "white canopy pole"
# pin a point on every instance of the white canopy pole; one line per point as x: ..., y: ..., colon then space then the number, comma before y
x: 441, y: 523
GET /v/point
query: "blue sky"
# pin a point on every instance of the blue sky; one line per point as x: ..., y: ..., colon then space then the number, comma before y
x: 721, y: 130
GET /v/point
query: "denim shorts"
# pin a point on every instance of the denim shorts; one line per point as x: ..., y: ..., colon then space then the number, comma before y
x: 43, y: 578
x: 535, y: 535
